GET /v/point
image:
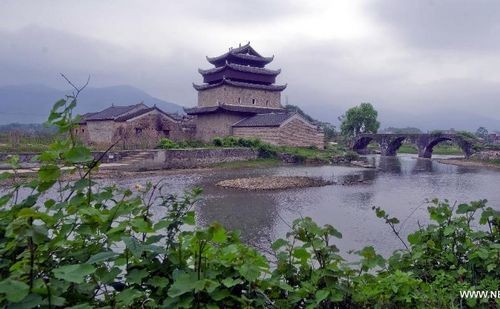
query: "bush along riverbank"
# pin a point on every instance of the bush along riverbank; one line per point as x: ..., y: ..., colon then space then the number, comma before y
x: 94, y: 246
x: 288, y: 154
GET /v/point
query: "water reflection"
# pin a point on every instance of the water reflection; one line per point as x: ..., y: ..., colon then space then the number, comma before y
x: 390, y: 165
x: 252, y: 213
x: 399, y: 184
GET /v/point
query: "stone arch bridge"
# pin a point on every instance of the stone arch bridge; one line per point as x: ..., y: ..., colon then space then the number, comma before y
x: 390, y: 143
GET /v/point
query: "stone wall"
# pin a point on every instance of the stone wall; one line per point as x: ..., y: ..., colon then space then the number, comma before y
x: 220, y: 124
x: 487, y: 155
x: 193, y: 158
x: 293, y: 133
x: 299, y: 134
x: 269, y: 135
x: 162, y: 159
x: 82, y: 133
x: 100, y: 132
x: 239, y: 96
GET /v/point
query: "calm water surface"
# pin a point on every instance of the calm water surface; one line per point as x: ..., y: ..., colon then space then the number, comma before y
x: 400, y: 185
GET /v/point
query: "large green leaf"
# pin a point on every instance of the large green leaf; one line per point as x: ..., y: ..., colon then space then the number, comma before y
x: 101, y: 257
x: 127, y: 297
x: 14, y: 290
x: 74, y: 273
x: 133, y: 246
x: 136, y: 275
x: 278, y: 244
x: 49, y: 172
x: 78, y: 154
x: 183, y: 283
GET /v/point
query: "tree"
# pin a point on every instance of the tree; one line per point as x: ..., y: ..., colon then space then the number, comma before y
x: 482, y: 132
x: 359, y: 119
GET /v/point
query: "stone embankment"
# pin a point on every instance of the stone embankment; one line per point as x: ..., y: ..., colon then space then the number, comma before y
x: 273, y: 183
x: 485, y: 158
x: 487, y: 155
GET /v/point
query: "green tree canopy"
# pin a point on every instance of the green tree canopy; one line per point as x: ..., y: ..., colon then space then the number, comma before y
x: 359, y: 119
x: 482, y: 132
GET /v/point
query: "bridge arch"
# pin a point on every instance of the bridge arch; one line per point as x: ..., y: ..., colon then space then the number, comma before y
x: 393, y: 146
x: 426, y: 151
x: 361, y: 144
x: 390, y: 143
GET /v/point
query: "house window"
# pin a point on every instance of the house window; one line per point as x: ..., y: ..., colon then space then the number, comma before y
x: 239, y: 100
x: 253, y: 101
x: 138, y: 131
x: 166, y: 133
x: 267, y: 102
x: 83, y: 130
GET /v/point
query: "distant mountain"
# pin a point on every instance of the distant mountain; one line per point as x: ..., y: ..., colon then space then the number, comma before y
x: 32, y: 103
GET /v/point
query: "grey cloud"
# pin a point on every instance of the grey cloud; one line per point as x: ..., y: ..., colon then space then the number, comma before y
x: 443, y: 24
x: 38, y: 55
x: 224, y: 11
x: 324, y: 77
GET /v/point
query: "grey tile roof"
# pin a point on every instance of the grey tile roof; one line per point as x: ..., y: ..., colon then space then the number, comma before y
x: 246, y: 52
x: 231, y: 108
x: 240, y: 84
x: 143, y: 111
x: 264, y: 120
x: 113, y: 112
x: 124, y: 113
x: 241, y: 68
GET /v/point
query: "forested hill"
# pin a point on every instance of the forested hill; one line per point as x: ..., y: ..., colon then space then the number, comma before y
x: 32, y: 103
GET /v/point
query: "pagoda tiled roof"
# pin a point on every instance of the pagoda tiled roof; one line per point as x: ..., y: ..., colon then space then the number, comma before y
x: 245, y: 52
x: 264, y: 120
x: 240, y: 84
x: 241, y: 68
x: 231, y: 108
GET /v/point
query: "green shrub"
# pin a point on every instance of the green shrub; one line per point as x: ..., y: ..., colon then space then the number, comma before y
x: 166, y: 143
x: 351, y: 156
x: 266, y: 151
x: 191, y: 144
x: 232, y: 141
x: 217, y: 142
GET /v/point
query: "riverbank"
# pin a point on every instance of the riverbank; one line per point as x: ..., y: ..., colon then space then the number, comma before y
x: 471, y: 163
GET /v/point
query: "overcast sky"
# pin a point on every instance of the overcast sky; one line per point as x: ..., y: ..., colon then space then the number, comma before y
x: 406, y: 57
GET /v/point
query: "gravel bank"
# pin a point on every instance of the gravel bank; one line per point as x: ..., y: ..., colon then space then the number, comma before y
x: 273, y: 183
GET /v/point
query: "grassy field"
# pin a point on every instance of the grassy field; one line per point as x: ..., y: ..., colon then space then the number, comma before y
x: 438, y: 149
x: 34, y: 141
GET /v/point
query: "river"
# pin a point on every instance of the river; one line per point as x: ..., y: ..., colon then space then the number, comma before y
x: 400, y: 185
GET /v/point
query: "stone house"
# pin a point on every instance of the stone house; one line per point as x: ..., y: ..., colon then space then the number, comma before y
x: 494, y: 137
x: 239, y: 97
x: 282, y: 129
x: 133, y: 126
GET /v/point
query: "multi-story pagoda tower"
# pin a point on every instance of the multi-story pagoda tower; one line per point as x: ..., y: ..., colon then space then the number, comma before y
x: 239, y: 97
x: 239, y: 77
